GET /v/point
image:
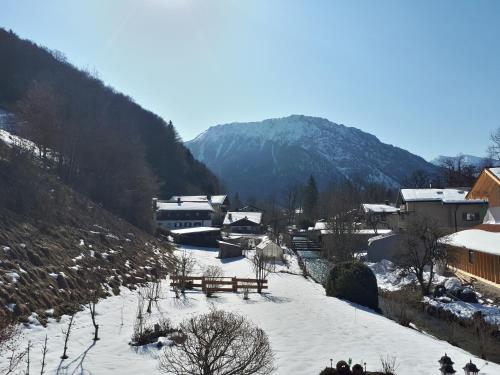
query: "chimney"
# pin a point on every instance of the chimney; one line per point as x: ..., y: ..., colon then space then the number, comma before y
x: 178, y: 200
x: 230, y: 216
x: 387, y: 202
x: 155, y: 204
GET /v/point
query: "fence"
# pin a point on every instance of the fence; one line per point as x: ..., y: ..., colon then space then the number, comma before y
x: 217, y: 284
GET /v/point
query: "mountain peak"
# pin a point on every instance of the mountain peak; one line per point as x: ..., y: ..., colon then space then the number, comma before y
x: 287, y: 150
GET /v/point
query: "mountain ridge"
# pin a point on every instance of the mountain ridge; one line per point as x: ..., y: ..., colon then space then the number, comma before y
x: 286, y: 150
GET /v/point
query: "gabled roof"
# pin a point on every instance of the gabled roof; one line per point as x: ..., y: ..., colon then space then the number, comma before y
x: 379, y: 208
x: 235, y: 216
x: 184, y: 206
x: 448, y: 195
x: 214, y: 199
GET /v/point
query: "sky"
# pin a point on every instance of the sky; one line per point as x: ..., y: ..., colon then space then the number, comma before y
x: 422, y: 75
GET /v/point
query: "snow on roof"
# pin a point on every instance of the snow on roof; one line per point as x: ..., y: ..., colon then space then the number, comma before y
x: 214, y: 199
x: 492, y: 216
x: 218, y: 199
x: 496, y: 172
x: 320, y: 225
x: 195, y: 230
x: 444, y: 195
x: 475, y: 239
x: 189, y: 198
x: 234, y: 216
x: 379, y: 208
x: 184, y: 206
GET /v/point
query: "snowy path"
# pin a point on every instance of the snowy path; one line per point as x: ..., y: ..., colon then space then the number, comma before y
x: 305, y: 327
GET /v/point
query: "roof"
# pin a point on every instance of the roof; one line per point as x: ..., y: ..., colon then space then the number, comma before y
x: 184, y: 206
x: 267, y: 243
x: 234, y: 216
x: 320, y: 225
x: 481, y: 240
x: 445, y: 195
x: 379, y: 208
x: 495, y: 171
x: 492, y: 216
x: 195, y: 230
x: 214, y: 199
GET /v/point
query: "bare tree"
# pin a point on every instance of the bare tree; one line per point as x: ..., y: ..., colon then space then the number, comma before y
x: 183, y: 267
x: 219, y: 343
x: 212, y: 274
x: 66, y: 334
x: 140, y: 322
x: 339, y: 240
x: 422, y: 250
x: 389, y: 365
x: 291, y: 201
x: 44, y: 354
x: 92, y: 303
x: 494, y: 148
x: 152, y: 290
x: 262, y: 266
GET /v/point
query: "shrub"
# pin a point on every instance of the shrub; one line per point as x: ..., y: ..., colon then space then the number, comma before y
x: 355, y: 282
x: 219, y: 342
x: 328, y: 371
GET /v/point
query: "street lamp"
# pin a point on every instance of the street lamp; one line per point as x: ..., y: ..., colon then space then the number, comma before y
x: 446, y: 365
x: 471, y: 369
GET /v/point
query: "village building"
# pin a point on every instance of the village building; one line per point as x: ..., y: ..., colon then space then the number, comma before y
x: 487, y: 186
x: 229, y: 250
x: 170, y: 215
x: 218, y: 202
x: 476, y: 252
x: 270, y: 250
x: 197, y: 236
x: 380, y: 215
x: 243, y: 222
x: 449, y: 207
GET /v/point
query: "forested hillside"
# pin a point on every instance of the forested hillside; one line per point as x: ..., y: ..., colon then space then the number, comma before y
x: 96, y: 139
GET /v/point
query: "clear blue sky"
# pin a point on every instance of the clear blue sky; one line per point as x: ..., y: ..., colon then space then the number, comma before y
x: 422, y: 75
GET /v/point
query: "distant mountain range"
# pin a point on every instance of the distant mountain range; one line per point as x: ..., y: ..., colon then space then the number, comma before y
x: 260, y: 158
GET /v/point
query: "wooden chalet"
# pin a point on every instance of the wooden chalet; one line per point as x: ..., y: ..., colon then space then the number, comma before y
x: 476, y: 252
x: 487, y: 186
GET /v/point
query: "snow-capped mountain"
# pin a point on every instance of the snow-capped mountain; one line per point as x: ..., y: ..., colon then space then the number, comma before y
x: 260, y: 158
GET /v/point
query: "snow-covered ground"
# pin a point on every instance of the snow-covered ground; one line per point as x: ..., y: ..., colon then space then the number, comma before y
x: 305, y: 328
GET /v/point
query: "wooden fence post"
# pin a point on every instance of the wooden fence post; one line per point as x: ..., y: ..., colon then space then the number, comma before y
x: 235, y: 284
x: 203, y: 284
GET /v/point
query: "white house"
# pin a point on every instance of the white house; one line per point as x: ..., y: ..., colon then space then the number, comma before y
x: 175, y: 215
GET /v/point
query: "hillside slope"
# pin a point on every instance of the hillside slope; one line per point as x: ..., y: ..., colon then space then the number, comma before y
x: 100, y: 141
x: 56, y: 245
x: 260, y: 158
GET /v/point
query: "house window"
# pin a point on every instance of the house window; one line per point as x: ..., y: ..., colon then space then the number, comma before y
x: 471, y: 216
x: 472, y: 256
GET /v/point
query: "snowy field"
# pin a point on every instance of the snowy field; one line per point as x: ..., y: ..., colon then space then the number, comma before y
x: 305, y: 328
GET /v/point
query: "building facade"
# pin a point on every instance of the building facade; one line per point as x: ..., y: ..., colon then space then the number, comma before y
x: 175, y: 215
x: 449, y: 207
